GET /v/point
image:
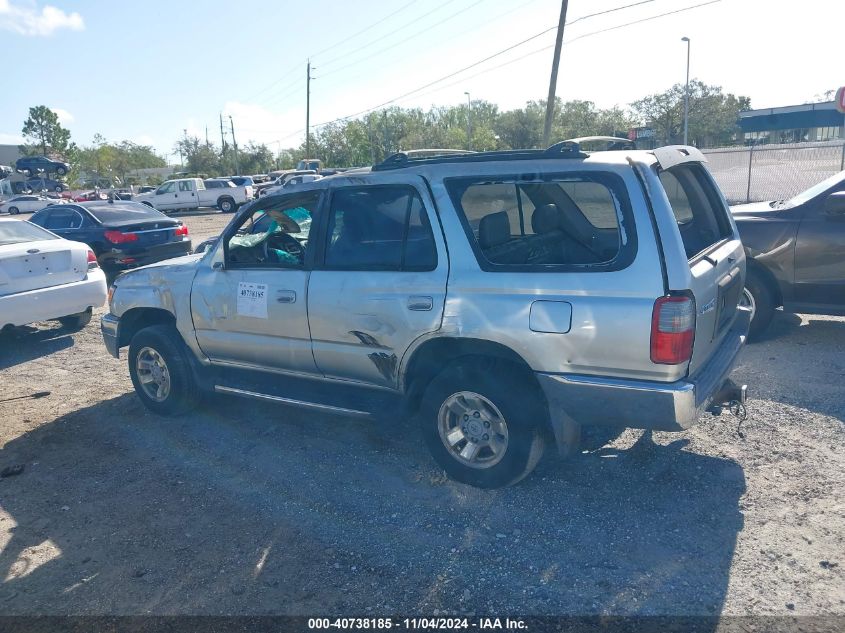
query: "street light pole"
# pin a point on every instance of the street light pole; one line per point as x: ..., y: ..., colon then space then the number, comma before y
x: 469, y: 122
x: 686, y: 95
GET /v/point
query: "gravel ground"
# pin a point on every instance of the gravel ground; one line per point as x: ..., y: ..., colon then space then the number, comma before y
x: 250, y: 508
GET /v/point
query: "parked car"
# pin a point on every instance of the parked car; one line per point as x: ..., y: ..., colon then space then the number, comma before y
x: 40, y: 184
x: 146, y: 189
x: 6, y: 171
x: 795, y: 251
x: 45, y: 277
x: 191, y: 193
x: 122, y: 234
x: 27, y: 204
x: 245, y: 182
x: 545, y: 290
x: 89, y: 196
x: 282, y: 179
x: 31, y: 165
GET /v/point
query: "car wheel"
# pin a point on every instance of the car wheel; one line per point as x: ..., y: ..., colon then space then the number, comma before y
x: 58, y: 189
x: 14, y: 210
x: 227, y: 205
x: 483, y: 430
x: 61, y: 171
x: 76, y: 321
x: 160, y: 371
x: 758, y: 297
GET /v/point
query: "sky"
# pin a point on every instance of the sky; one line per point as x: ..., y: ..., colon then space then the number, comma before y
x: 153, y: 71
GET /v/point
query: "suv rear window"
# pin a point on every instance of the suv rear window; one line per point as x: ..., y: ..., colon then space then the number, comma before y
x: 577, y: 220
x: 701, y: 216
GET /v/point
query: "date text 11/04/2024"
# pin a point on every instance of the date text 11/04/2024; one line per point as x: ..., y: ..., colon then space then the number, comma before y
x: 417, y: 623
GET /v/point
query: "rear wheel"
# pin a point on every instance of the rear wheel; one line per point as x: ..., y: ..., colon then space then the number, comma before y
x: 14, y: 210
x: 61, y: 171
x: 482, y: 430
x: 76, y: 321
x: 758, y: 297
x: 227, y: 205
x: 160, y: 371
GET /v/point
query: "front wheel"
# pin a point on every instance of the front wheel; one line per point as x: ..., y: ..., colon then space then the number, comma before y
x: 14, y: 210
x: 61, y: 171
x: 757, y: 297
x: 161, y: 372
x: 481, y: 430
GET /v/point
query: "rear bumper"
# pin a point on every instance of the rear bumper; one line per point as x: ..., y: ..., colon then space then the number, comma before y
x: 54, y: 301
x: 675, y: 406
x: 132, y: 257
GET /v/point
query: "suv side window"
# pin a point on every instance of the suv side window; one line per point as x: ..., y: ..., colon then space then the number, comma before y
x: 379, y: 227
x: 700, y: 214
x: 274, y: 236
x: 558, y: 222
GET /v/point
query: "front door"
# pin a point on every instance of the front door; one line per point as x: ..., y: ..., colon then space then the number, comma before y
x: 820, y: 256
x: 166, y: 196
x: 381, y: 281
x: 249, y: 297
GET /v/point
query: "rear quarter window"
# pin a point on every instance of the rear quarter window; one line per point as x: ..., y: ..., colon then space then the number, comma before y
x: 578, y: 221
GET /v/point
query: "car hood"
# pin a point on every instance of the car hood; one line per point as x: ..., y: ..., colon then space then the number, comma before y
x: 163, y: 285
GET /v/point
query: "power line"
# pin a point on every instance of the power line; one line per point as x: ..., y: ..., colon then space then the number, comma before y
x: 450, y: 75
x: 405, y: 40
x: 364, y: 30
x: 509, y: 48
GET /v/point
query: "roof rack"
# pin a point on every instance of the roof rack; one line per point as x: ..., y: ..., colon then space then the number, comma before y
x: 612, y: 142
x: 400, y: 160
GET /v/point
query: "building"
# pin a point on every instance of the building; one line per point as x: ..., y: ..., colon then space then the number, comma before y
x: 810, y: 122
x: 9, y: 154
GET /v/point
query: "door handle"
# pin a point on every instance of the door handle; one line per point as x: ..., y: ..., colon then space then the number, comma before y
x: 285, y: 296
x: 420, y: 303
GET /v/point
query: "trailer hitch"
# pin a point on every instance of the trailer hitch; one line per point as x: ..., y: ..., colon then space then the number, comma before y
x: 733, y: 397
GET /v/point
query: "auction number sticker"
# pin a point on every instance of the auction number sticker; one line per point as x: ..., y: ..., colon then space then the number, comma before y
x: 252, y: 300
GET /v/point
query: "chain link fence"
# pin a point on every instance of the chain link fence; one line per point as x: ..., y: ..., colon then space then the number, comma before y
x: 773, y: 172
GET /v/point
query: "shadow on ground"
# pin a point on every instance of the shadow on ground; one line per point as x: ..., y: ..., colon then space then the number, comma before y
x: 22, y: 344
x: 249, y: 508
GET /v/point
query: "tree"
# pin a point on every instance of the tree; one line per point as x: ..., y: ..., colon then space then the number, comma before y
x: 712, y: 115
x: 45, y: 134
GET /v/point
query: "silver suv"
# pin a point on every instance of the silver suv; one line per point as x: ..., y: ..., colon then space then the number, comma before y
x: 508, y: 298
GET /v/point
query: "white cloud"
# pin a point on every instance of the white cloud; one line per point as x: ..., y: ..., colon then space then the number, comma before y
x: 27, y: 19
x: 65, y: 117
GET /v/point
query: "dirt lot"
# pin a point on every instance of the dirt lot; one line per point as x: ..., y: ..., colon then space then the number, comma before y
x: 245, y: 508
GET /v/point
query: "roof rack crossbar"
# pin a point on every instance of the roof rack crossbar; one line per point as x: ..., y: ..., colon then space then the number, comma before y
x: 564, y: 149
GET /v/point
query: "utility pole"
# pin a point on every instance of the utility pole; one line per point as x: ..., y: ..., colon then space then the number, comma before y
x: 550, y: 102
x: 308, y: 111
x: 206, y: 136
x: 222, y: 138
x: 469, y: 122
x: 235, y: 146
x: 686, y: 94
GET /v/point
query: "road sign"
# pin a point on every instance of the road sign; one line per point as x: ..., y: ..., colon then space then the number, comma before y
x: 840, y: 99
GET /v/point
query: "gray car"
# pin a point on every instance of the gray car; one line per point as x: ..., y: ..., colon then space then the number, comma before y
x: 508, y: 298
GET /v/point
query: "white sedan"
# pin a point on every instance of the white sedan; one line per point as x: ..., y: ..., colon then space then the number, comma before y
x: 45, y: 277
x: 28, y: 204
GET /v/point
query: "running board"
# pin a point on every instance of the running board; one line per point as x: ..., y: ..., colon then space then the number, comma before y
x: 313, y: 406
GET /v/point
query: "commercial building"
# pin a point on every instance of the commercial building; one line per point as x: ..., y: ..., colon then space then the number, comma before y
x: 810, y: 122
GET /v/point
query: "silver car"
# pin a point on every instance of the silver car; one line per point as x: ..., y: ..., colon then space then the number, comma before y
x: 509, y: 298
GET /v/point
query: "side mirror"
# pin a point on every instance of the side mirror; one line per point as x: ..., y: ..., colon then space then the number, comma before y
x: 834, y: 204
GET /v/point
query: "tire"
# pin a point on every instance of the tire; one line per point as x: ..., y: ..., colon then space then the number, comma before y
x: 162, y: 345
x: 61, y: 171
x: 462, y: 387
x: 58, y: 189
x: 227, y: 205
x: 76, y: 321
x: 14, y: 210
x: 759, y: 297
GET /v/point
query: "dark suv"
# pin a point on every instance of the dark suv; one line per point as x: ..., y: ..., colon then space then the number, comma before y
x: 31, y: 165
x: 795, y: 251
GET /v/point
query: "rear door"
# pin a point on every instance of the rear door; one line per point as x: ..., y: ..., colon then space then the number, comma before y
x: 381, y: 281
x: 714, y: 252
x: 186, y: 194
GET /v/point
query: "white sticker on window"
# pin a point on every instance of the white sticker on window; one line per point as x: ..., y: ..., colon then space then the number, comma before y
x: 252, y: 300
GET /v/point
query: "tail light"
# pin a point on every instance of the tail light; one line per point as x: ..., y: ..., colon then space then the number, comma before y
x: 92, y: 260
x: 181, y: 231
x: 118, y: 237
x: 672, y: 330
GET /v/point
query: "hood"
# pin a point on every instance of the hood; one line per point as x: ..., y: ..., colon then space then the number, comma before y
x: 754, y: 208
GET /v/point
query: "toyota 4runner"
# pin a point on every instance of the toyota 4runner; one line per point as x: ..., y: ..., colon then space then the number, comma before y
x: 507, y: 298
